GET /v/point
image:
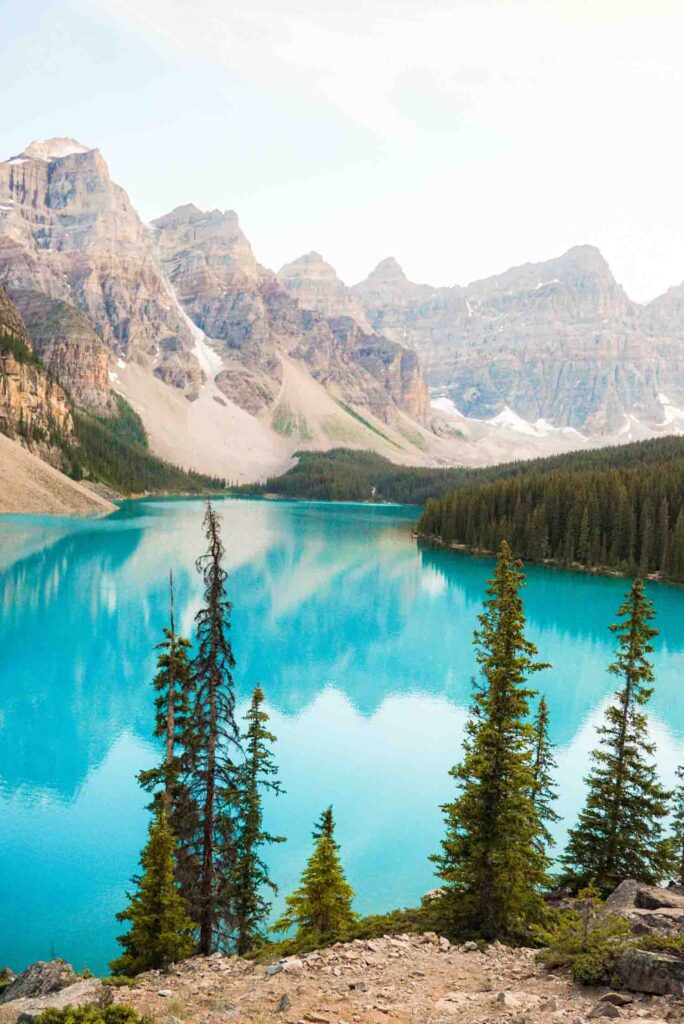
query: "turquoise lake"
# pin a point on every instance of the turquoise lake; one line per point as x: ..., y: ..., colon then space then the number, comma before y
x: 362, y: 642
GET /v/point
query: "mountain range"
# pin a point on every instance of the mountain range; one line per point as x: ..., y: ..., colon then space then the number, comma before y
x: 233, y: 367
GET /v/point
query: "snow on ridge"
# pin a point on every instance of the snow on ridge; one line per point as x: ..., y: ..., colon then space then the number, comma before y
x: 544, y: 284
x: 445, y: 404
x: 510, y: 419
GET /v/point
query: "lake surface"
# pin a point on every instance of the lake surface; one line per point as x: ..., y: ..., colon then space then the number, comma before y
x: 362, y: 642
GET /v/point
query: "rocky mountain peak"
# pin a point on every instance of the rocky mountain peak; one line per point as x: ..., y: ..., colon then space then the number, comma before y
x: 586, y: 256
x: 312, y: 266
x: 53, y: 149
x: 212, y: 239
x: 388, y: 270
x: 316, y: 286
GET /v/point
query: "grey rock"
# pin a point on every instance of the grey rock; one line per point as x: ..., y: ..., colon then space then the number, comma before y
x: 40, y: 979
x: 284, y: 1004
x: 358, y: 986
x: 517, y: 1000
x: 293, y: 964
x: 165, y: 992
x: 648, y: 908
x: 655, y: 973
x: 274, y: 968
x: 617, y: 998
x: 603, y: 1009
x: 226, y: 1011
x: 82, y: 993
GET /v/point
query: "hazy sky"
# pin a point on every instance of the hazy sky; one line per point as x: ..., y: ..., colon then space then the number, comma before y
x: 460, y: 137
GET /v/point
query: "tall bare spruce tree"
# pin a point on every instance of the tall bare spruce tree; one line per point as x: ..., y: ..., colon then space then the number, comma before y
x: 214, y: 742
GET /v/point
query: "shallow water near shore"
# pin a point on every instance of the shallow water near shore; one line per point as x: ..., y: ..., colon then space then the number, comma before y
x: 361, y: 640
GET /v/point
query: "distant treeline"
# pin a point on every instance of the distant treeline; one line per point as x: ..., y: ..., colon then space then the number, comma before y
x: 347, y: 475
x: 114, y: 450
x: 344, y: 474
x: 616, y: 508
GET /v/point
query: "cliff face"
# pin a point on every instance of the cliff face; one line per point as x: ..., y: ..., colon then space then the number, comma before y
x: 70, y: 349
x: 33, y: 408
x: 558, y: 340
x: 255, y: 320
x: 68, y: 231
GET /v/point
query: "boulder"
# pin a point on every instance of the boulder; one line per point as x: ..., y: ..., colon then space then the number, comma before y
x: 39, y: 979
x: 656, y: 973
x: 602, y: 1009
x: 82, y: 993
x: 648, y: 908
x: 616, y: 998
x: 511, y: 1000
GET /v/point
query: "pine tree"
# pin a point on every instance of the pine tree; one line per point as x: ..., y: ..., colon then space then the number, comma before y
x: 321, y: 908
x: 678, y: 826
x: 492, y: 864
x: 213, y: 737
x: 325, y: 826
x: 619, y: 832
x: 160, y: 931
x: 544, y: 790
x: 257, y: 773
x: 168, y: 781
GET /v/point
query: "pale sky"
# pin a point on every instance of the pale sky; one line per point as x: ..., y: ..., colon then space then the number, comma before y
x: 460, y: 137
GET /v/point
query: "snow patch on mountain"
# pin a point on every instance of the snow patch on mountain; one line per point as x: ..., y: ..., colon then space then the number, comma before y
x: 671, y: 413
x: 446, y: 405
x: 510, y: 419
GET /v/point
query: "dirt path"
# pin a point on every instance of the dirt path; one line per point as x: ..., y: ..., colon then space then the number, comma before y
x: 407, y: 979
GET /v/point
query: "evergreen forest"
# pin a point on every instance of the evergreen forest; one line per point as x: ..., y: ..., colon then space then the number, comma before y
x: 618, y: 509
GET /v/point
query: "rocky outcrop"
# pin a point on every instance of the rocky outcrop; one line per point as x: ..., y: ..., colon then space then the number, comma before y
x: 656, y: 973
x: 648, y: 908
x: 50, y: 985
x: 88, y: 992
x: 33, y: 408
x: 68, y: 231
x: 71, y: 350
x: 40, y: 979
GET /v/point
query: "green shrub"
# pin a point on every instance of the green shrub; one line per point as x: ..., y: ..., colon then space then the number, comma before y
x: 118, y: 1014
x: 397, y: 922
x: 119, y: 981
x: 586, y: 940
x: 597, y: 968
x: 659, y: 943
